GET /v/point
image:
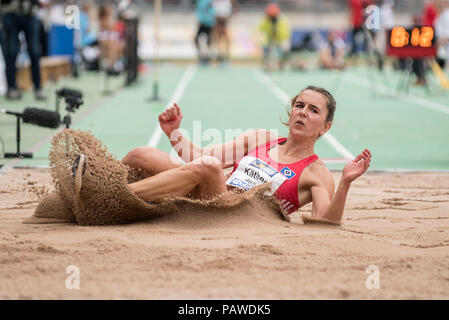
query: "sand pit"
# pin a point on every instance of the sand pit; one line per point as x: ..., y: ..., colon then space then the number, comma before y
x: 398, y: 222
x: 231, y: 247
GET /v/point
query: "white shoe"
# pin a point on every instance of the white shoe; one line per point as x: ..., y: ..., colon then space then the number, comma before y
x: 78, y: 169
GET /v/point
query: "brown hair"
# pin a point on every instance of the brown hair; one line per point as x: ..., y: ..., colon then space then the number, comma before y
x: 104, y: 12
x: 330, y: 102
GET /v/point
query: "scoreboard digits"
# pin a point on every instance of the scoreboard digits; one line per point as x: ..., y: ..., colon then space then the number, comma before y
x: 415, y: 42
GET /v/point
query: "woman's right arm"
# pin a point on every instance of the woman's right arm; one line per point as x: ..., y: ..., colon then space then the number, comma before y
x: 228, y: 153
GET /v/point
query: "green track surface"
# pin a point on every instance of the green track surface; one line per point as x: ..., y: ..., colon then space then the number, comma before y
x: 400, y: 129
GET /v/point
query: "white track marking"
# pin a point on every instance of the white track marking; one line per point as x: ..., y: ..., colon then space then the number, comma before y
x: 338, y: 146
x: 326, y: 160
x: 278, y: 92
x: 419, y: 101
x: 179, y: 91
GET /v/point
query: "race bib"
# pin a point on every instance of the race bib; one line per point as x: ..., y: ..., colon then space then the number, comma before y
x: 252, y: 172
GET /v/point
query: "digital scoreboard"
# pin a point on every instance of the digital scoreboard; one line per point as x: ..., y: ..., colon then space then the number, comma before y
x: 415, y: 42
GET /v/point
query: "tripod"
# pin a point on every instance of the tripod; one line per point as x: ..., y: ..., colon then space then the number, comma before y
x: 408, y: 72
x: 375, y: 61
x: 18, y: 154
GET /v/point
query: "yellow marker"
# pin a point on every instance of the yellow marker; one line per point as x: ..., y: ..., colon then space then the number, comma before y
x: 439, y: 73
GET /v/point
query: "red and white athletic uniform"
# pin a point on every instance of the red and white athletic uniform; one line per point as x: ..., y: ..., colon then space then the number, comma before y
x: 258, y: 168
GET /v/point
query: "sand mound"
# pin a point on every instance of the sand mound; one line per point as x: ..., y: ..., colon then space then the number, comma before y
x: 106, y: 200
x: 51, y: 209
x: 307, y: 219
x: 230, y: 210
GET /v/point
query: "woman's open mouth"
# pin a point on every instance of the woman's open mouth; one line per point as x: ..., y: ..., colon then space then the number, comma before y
x: 300, y: 123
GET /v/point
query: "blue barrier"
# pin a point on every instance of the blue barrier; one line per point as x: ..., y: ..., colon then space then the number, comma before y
x: 61, y: 41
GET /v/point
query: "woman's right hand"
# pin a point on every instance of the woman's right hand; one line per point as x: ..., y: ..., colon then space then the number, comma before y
x: 170, y: 119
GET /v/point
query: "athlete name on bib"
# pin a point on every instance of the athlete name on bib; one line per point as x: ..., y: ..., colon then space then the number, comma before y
x: 252, y: 172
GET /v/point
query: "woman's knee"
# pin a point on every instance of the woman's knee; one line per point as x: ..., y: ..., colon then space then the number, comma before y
x: 151, y: 160
x: 208, y: 173
x: 138, y: 156
x: 206, y: 166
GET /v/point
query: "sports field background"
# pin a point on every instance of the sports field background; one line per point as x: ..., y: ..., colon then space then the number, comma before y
x: 404, y: 131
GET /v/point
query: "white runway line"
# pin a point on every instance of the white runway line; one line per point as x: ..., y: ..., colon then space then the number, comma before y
x: 327, y: 160
x: 179, y: 91
x: 338, y: 146
x: 419, y: 101
x: 278, y: 92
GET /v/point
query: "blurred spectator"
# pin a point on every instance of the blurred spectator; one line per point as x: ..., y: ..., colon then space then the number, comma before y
x: 88, y: 34
x: 123, y: 5
x: 387, y: 14
x: 88, y: 39
x: 332, y: 52
x: 223, y: 10
x: 111, y: 40
x: 43, y: 15
x: 57, y: 13
x: 356, y: 19
x: 17, y: 16
x: 442, y: 32
x: 275, y: 35
x: 386, y: 23
x: 419, y: 66
x: 430, y: 13
x: 206, y: 19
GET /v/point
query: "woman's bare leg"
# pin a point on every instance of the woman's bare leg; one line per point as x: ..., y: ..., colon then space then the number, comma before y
x: 202, y: 178
x: 151, y: 160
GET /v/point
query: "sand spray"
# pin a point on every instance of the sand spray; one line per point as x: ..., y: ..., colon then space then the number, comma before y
x: 105, y: 198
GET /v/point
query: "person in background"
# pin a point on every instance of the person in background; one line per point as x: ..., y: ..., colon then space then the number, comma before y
x: 332, y: 52
x: 419, y: 66
x: 223, y: 10
x: 87, y: 39
x: 376, y: 40
x: 430, y: 13
x: 356, y: 20
x: 386, y: 23
x: 442, y: 33
x: 206, y: 19
x: 111, y: 40
x: 275, y: 34
x: 123, y: 5
x: 42, y: 15
x: 17, y: 16
x: 88, y: 34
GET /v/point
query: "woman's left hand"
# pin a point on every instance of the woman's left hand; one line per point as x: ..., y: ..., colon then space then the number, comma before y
x: 356, y: 167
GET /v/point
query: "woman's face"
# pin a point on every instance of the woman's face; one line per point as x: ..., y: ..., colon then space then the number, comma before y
x: 308, y: 115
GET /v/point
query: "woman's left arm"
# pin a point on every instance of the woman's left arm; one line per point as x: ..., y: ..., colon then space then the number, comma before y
x: 326, y: 206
